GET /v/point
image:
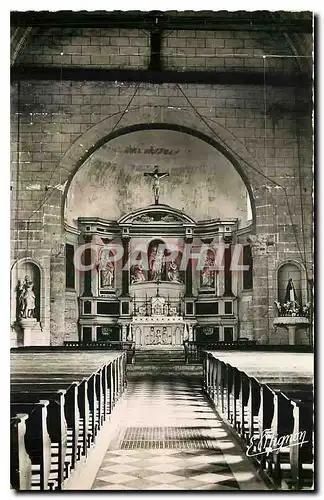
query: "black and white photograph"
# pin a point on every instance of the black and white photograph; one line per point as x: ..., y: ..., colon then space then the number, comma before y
x: 162, y: 249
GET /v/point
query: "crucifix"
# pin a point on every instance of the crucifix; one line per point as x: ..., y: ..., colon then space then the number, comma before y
x: 156, y: 176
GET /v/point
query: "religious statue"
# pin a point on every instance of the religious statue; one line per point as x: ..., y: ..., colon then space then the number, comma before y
x: 107, y: 275
x: 26, y: 298
x: 290, y: 295
x: 158, y: 337
x: 207, y: 274
x: 173, y: 272
x: 137, y: 273
x: 156, y: 176
x: 156, y: 263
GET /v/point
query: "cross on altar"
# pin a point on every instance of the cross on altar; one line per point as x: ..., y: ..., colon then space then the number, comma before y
x: 156, y: 176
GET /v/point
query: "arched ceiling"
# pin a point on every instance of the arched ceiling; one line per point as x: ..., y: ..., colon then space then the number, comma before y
x: 202, y: 182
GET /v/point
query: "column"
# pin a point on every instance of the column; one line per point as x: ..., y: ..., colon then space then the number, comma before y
x: 57, y: 295
x: 125, y: 272
x: 189, y: 272
x: 291, y: 334
x: 130, y: 333
x: 260, y: 296
x: 124, y: 332
x: 227, y: 271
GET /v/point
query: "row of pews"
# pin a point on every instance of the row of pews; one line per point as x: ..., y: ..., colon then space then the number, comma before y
x: 267, y: 399
x: 60, y: 399
x: 194, y: 349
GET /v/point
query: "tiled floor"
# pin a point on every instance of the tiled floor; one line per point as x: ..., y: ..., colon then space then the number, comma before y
x: 170, y: 439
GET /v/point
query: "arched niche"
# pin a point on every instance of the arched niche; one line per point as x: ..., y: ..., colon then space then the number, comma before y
x: 23, y: 271
x: 207, y: 273
x: 156, y: 252
x: 287, y: 271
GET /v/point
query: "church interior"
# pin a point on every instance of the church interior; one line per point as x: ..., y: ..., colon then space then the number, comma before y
x: 162, y: 293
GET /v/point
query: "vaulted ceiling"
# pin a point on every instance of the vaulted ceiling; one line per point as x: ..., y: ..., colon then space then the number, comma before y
x: 296, y: 27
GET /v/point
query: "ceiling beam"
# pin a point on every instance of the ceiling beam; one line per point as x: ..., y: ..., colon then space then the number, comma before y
x: 215, y: 21
x: 153, y: 76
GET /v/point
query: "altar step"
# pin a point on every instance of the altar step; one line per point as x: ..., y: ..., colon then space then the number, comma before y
x: 155, y: 362
x: 159, y: 356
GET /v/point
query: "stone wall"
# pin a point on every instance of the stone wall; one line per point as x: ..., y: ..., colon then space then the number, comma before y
x: 264, y: 131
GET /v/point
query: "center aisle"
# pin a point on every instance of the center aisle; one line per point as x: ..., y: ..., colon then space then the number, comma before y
x: 169, y: 438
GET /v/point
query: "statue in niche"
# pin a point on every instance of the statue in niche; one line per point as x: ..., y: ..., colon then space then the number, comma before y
x: 173, y: 273
x: 107, y: 275
x: 156, y: 263
x: 137, y: 273
x: 208, y: 274
x: 26, y: 298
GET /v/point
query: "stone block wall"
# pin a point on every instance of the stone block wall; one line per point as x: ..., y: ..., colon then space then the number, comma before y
x: 99, y: 48
x: 224, y: 50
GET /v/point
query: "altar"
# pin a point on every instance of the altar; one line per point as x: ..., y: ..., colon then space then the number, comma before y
x: 160, y: 327
x: 151, y: 331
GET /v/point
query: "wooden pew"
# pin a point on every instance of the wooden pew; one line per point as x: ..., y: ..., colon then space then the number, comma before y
x: 263, y: 405
x: 302, y: 456
x: 295, y: 416
x: 56, y: 423
x: 281, y: 427
x: 246, y: 405
x: 76, y: 405
x: 20, y: 463
x: 82, y: 405
x: 88, y: 400
x: 234, y: 409
x: 253, y: 407
x: 127, y: 346
x: 37, y: 440
x: 35, y: 386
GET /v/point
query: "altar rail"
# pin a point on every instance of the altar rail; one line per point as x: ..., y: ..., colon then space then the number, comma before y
x: 110, y: 345
x: 129, y: 347
x: 263, y: 410
x: 194, y: 351
x: 60, y: 400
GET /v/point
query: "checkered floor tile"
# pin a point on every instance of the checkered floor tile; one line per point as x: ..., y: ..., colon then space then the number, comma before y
x: 173, y: 413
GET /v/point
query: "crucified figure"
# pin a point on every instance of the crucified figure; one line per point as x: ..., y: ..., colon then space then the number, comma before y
x: 156, y: 176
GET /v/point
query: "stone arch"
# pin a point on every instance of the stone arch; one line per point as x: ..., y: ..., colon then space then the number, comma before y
x: 157, y: 117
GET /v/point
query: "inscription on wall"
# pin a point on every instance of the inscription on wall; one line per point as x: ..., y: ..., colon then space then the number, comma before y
x: 131, y: 149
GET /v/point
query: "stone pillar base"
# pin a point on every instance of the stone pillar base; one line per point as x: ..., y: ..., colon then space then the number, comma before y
x: 291, y: 334
x: 32, y: 333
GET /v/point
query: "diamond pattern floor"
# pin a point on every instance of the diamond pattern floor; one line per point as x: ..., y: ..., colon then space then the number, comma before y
x: 170, y: 439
